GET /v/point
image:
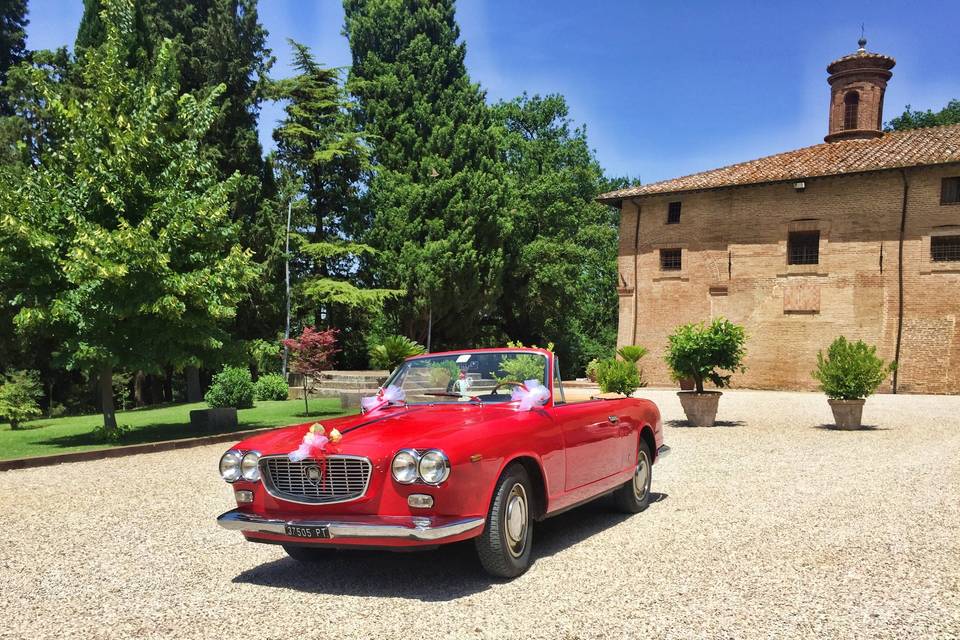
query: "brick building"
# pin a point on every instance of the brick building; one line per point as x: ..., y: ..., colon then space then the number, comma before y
x: 858, y: 236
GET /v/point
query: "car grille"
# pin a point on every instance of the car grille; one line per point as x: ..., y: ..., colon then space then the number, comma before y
x: 343, y: 478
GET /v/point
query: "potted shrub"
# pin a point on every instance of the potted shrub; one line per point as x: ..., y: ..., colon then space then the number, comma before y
x: 849, y: 373
x: 618, y: 376
x: 704, y: 352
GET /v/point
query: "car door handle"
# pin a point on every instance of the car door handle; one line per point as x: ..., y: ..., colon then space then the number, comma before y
x: 613, y: 419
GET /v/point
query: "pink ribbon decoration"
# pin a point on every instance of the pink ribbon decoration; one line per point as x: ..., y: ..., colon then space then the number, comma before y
x: 392, y: 394
x: 313, y: 446
x: 534, y: 395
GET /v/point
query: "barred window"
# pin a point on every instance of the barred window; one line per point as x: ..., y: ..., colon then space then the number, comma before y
x: 670, y: 259
x: 851, y: 108
x: 945, y: 248
x: 803, y: 247
x: 673, y: 213
x: 950, y: 191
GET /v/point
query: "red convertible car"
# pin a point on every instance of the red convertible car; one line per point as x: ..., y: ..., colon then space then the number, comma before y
x: 469, y: 444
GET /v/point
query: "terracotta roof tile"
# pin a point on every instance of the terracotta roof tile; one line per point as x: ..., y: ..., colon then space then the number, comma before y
x: 932, y: 145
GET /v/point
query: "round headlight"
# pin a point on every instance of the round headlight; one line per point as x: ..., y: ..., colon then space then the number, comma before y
x: 404, y: 466
x: 250, y: 466
x: 434, y: 467
x: 230, y: 465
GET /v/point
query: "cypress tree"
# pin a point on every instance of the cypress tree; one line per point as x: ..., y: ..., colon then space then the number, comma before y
x: 13, y: 42
x: 437, y: 197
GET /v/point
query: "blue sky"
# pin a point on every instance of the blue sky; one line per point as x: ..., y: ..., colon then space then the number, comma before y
x: 664, y: 88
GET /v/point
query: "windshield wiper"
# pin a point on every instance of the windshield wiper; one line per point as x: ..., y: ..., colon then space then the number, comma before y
x: 448, y: 394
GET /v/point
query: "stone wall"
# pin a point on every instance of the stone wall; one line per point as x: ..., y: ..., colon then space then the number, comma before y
x: 734, y: 264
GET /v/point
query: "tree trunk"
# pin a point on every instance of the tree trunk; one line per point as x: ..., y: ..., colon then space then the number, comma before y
x: 156, y: 389
x: 306, y: 406
x: 699, y: 383
x: 168, y: 385
x: 193, y: 384
x: 106, y: 399
x: 138, y: 380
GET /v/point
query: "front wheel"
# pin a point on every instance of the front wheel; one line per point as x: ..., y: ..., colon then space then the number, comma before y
x: 634, y: 495
x: 504, y: 546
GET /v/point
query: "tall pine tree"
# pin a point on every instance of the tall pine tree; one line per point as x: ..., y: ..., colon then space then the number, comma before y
x: 320, y: 152
x: 438, y: 194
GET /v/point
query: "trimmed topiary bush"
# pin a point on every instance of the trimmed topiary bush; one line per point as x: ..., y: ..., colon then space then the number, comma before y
x: 232, y: 387
x: 271, y: 387
x: 850, y: 370
x: 618, y: 376
x: 702, y: 352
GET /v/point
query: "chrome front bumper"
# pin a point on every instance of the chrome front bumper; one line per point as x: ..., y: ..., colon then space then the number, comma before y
x: 403, y: 527
x: 662, y: 450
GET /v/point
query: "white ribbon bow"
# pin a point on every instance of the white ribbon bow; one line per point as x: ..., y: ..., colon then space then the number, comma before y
x: 385, y: 397
x: 534, y: 395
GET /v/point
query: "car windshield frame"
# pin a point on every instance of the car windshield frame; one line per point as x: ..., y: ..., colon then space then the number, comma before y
x: 452, y: 356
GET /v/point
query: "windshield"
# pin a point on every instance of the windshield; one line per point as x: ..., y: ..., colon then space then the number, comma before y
x: 463, y: 377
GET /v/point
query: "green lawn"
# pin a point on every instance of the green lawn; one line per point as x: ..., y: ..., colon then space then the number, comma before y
x: 170, y: 422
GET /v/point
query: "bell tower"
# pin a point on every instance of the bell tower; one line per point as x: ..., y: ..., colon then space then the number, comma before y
x: 857, y: 84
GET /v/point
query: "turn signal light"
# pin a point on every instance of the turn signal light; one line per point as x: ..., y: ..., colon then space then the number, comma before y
x: 243, y: 496
x: 420, y: 501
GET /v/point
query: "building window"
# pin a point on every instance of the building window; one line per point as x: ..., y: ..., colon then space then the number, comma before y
x: 945, y: 248
x: 673, y: 213
x: 670, y: 260
x: 851, y: 107
x: 950, y: 191
x: 803, y: 247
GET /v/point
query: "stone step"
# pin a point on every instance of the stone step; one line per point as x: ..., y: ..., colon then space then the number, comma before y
x: 296, y: 393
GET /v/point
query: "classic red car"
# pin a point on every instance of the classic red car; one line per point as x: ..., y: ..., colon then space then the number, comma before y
x: 469, y: 444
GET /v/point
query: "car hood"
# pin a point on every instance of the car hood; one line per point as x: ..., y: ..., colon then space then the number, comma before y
x: 383, y: 431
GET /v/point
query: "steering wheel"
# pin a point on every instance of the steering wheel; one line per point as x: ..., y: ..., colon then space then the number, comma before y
x: 503, y: 383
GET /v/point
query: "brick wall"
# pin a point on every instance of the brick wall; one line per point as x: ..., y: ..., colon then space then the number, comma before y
x: 734, y: 264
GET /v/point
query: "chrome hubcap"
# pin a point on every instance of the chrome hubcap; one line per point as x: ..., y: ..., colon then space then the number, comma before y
x: 641, y: 477
x: 515, y: 522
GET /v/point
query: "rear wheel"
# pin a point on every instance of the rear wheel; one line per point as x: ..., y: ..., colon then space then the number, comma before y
x: 306, y: 554
x: 505, y: 544
x: 634, y: 495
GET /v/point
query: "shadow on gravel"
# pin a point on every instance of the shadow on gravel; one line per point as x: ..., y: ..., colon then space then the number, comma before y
x: 865, y: 427
x: 446, y: 573
x: 683, y: 424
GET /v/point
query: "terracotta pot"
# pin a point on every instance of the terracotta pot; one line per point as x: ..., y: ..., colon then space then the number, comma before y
x: 701, y: 408
x: 847, y: 414
x: 687, y: 384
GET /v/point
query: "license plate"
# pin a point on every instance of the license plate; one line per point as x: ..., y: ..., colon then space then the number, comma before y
x: 311, y: 531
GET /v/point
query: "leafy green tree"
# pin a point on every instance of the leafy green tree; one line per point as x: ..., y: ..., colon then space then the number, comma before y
x: 13, y: 41
x: 560, y: 254
x: 438, y: 192
x: 319, y: 149
x: 124, y: 225
x: 911, y: 119
x: 221, y: 47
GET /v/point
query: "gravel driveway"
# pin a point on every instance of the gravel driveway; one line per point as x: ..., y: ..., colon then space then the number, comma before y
x: 768, y: 525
